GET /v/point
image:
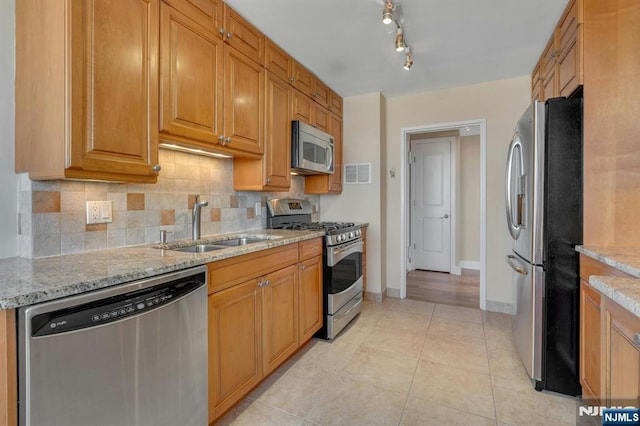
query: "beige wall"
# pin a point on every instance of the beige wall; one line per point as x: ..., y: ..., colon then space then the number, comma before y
x: 469, y: 205
x: 9, y: 187
x: 363, y: 137
x: 499, y: 102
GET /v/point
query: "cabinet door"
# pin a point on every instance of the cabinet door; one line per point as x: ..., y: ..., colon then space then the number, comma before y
x: 570, y: 51
x: 310, y: 297
x: 278, y: 138
x: 243, y: 102
x: 303, y: 108
x: 302, y: 79
x: 321, y: 118
x: 622, y: 355
x: 114, y: 96
x: 280, y: 317
x: 207, y: 13
x: 191, y: 78
x: 335, y: 104
x: 243, y: 36
x: 321, y: 93
x: 278, y: 61
x: 548, y: 71
x: 235, y: 345
x: 590, y: 344
x: 536, y: 84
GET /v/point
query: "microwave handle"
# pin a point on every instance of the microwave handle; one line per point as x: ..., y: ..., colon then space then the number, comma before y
x: 330, y: 159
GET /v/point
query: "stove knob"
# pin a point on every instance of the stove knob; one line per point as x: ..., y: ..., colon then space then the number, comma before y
x: 339, y: 238
x: 351, y: 235
x: 357, y: 233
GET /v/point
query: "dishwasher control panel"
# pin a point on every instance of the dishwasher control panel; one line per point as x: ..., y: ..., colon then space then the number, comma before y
x: 112, y: 309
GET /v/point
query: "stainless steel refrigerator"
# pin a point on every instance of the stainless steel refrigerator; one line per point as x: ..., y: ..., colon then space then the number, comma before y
x: 544, y: 216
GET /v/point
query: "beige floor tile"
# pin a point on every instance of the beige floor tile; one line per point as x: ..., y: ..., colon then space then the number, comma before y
x: 499, y: 338
x: 352, y: 402
x: 458, y: 313
x: 455, y: 388
x: 297, y: 391
x: 385, y: 369
x: 329, y: 355
x: 405, y: 321
x: 411, y: 306
x: 533, y: 408
x: 372, y: 309
x: 395, y: 341
x: 506, y: 364
x: 465, y: 354
x: 441, y: 328
x: 497, y: 319
x: 258, y: 414
x: 419, y: 412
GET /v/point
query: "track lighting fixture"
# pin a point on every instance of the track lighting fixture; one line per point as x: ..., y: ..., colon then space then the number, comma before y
x: 387, y: 13
x: 409, y: 61
x: 400, y: 44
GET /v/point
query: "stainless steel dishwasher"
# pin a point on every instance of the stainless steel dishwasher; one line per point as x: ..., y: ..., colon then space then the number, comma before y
x: 133, y: 354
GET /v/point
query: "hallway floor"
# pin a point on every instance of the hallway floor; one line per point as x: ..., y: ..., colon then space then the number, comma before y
x: 443, y: 287
x: 406, y: 362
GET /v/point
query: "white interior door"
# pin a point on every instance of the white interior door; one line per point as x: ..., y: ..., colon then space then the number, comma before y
x: 431, y: 204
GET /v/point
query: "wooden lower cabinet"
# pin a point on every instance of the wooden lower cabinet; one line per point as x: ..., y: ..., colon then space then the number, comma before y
x: 280, y: 317
x: 622, y: 355
x: 235, y: 345
x: 262, y: 307
x: 590, y: 344
x: 609, y: 344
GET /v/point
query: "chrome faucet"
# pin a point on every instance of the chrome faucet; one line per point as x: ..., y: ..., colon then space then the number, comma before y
x: 195, y: 217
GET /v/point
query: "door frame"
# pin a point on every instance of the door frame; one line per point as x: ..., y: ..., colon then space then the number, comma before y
x: 453, y: 167
x: 405, y: 137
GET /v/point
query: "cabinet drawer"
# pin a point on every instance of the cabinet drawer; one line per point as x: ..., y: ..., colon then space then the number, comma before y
x: 229, y: 272
x: 310, y: 248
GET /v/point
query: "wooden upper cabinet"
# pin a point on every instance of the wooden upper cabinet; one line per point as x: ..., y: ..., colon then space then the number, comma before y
x: 329, y: 184
x: 278, y: 62
x: 561, y: 65
x: 86, y: 91
x: 536, y: 84
x: 335, y: 103
x: 303, y: 80
x: 207, y: 13
x: 321, y: 93
x: 243, y: 102
x: 569, y: 60
x: 243, y: 36
x: 272, y: 171
x: 191, y: 78
x: 303, y: 108
x: 321, y: 118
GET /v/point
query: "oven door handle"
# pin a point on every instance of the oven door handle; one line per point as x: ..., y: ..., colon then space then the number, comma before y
x: 337, y: 254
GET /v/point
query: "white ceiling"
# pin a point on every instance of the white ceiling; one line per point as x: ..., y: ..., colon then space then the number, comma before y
x: 454, y: 42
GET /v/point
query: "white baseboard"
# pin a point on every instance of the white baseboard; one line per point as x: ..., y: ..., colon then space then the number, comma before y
x: 393, y: 292
x: 470, y: 264
x: 503, y: 307
x: 374, y: 297
x: 455, y: 270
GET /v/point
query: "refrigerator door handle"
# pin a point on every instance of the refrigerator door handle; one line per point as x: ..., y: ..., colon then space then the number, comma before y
x: 514, y: 228
x: 511, y: 259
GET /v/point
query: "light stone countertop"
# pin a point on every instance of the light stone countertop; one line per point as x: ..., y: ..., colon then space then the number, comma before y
x: 623, y: 290
x: 28, y: 281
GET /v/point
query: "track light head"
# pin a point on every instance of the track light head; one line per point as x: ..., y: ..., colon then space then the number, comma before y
x: 400, y: 44
x: 408, y: 63
x: 387, y: 13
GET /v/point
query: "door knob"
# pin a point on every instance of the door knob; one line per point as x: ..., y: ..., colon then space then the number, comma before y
x: 446, y: 216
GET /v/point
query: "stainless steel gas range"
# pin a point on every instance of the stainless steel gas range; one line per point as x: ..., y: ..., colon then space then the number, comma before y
x: 342, y: 260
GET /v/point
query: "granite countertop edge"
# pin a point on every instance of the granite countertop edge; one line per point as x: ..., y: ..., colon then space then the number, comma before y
x: 26, y: 282
x: 624, y: 291
x: 625, y: 260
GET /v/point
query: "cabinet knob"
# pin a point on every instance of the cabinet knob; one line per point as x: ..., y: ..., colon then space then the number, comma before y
x: 636, y: 339
x: 156, y: 168
x: 228, y: 139
x: 554, y: 53
x: 267, y: 282
x: 221, y: 139
x: 304, y: 267
x: 292, y: 80
x: 268, y: 180
x: 229, y: 35
x: 221, y: 31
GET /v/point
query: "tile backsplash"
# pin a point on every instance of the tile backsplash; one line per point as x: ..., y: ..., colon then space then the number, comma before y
x: 52, y: 214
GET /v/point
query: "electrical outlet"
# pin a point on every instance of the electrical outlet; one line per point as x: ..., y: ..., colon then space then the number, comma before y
x: 99, y: 212
x: 258, y: 209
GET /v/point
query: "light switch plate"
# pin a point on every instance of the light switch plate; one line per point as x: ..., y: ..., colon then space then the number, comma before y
x: 258, y: 209
x: 99, y: 212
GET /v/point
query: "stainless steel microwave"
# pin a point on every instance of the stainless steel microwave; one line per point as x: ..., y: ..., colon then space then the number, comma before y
x: 311, y: 150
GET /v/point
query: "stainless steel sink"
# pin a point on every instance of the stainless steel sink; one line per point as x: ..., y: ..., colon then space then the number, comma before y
x: 239, y: 241
x: 200, y: 248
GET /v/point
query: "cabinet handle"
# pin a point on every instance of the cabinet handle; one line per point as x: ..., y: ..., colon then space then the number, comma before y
x: 554, y: 53
x: 268, y: 180
x: 228, y: 140
x: 156, y: 168
x: 229, y: 35
x: 304, y: 267
x: 221, y: 139
x: 292, y: 80
x: 221, y: 31
x: 636, y: 339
